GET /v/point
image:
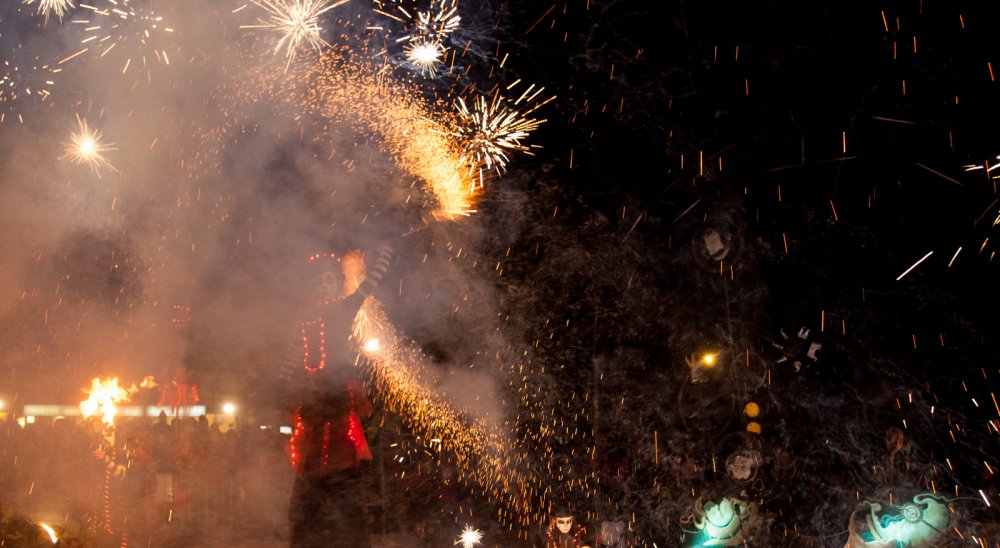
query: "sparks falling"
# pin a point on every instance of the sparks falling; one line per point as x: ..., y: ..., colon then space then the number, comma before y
x: 402, y: 123
x: 137, y: 34
x: 297, y: 21
x: 20, y: 81
x: 87, y: 148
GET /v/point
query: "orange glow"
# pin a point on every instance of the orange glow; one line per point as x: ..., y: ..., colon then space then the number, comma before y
x: 103, y: 397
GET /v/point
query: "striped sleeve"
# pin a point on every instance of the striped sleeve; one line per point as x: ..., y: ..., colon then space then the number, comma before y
x: 291, y: 363
x: 376, y: 272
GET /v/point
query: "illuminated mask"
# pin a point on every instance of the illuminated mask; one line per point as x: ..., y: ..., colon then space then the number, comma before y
x: 331, y: 285
x: 564, y: 524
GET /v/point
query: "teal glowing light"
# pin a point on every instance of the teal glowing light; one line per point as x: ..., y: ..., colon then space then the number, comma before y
x: 917, y: 524
x: 723, y: 523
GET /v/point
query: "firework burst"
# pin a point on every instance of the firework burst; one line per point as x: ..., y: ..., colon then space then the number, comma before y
x: 440, y: 20
x: 297, y: 21
x: 491, y: 129
x: 425, y: 55
x: 59, y: 8
x: 469, y: 537
x: 424, y: 33
x: 85, y: 147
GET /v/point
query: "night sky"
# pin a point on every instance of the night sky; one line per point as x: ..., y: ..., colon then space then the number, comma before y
x: 839, y: 154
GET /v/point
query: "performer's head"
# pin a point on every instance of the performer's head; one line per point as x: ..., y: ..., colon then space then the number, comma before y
x: 336, y: 275
x: 563, y: 518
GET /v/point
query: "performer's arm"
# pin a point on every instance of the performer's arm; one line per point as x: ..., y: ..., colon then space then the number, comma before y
x: 376, y: 272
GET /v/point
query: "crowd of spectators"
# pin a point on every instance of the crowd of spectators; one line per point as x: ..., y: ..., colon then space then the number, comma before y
x: 154, y: 482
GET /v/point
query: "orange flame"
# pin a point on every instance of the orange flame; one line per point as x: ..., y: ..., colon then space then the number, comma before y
x: 104, y: 394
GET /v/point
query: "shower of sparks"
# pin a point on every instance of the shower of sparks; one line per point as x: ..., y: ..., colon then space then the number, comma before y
x: 122, y: 27
x: 483, y: 455
x: 86, y: 147
x: 490, y: 129
x: 401, y: 122
x: 425, y: 55
x: 469, y: 537
x: 297, y: 21
x: 59, y: 8
x: 53, y: 537
x: 103, y: 398
x: 20, y: 81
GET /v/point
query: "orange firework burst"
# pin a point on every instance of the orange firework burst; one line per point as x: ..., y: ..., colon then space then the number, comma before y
x: 86, y: 147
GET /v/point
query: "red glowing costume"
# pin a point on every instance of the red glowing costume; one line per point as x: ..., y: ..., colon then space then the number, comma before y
x: 328, y: 434
x: 178, y: 393
x: 327, y: 508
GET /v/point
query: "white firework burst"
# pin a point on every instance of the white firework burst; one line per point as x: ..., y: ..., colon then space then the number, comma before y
x: 425, y: 55
x: 491, y: 129
x: 469, y: 537
x: 59, y: 8
x: 297, y: 21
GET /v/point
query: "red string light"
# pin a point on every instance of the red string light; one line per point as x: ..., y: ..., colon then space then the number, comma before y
x: 320, y: 329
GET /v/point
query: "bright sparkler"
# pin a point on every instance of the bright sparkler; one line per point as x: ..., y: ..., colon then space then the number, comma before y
x: 53, y: 7
x: 425, y: 54
x: 297, y: 21
x: 122, y: 26
x: 86, y: 147
x: 469, y: 537
x: 103, y: 397
x: 49, y: 531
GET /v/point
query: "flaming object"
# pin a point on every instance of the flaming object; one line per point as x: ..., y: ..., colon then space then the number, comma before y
x: 103, y: 397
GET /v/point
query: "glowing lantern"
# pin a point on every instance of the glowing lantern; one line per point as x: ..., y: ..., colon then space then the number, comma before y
x: 724, y: 523
x: 917, y: 524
